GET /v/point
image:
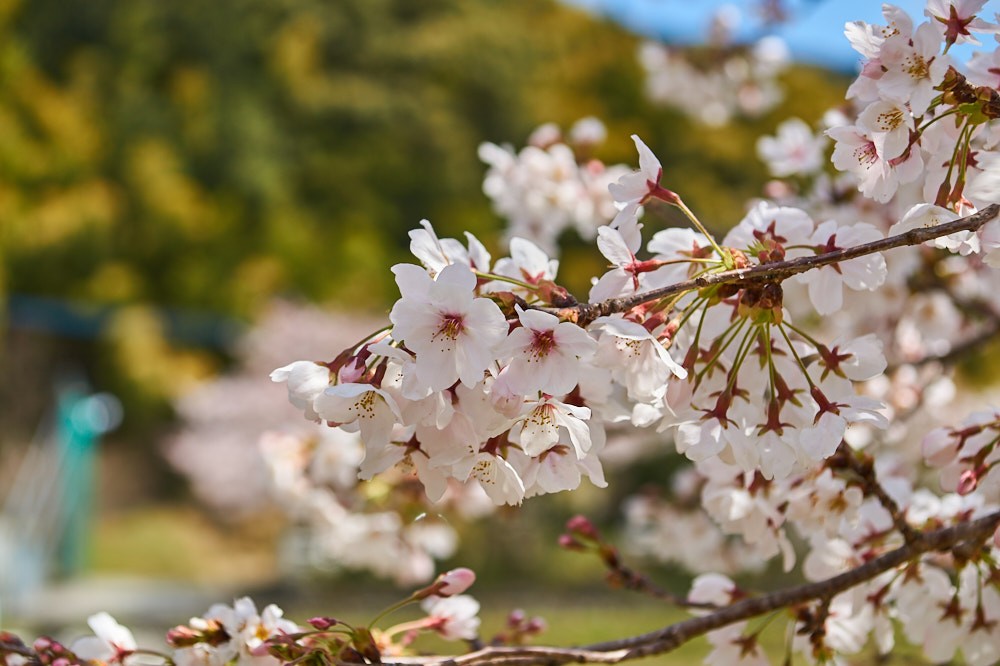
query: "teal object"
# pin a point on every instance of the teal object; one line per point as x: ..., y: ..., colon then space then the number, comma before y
x: 80, y: 421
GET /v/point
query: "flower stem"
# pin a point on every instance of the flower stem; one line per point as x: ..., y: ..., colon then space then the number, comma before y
x: 700, y: 227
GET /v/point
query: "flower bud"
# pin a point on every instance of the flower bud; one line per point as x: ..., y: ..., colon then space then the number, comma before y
x: 581, y: 526
x: 455, y: 581
x: 182, y: 636
x: 323, y: 623
x: 536, y: 625
x: 569, y: 543
x: 967, y: 482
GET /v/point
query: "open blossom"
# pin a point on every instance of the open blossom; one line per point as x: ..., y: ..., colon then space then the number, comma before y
x: 527, y: 263
x: 374, y: 410
x: 539, y: 430
x: 498, y: 478
x: 826, y: 283
x: 559, y: 468
x: 246, y: 630
x: 638, y: 186
x: 436, y: 253
x: 838, y: 407
x: 889, y: 125
x: 454, y: 618
x: 546, y: 354
x: 635, y: 357
x: 794, y: 150
x: 925, y: 215
x: 878, y: 176
x: 628, y: 274
x: 956, y: 19
x: 110, y: 643
x: 305, y: 381
x: 634, y: 189
x: 453, y: 334
x: 913, y: 67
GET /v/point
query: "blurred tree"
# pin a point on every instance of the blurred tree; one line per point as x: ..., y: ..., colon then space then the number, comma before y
x: 207, y: 156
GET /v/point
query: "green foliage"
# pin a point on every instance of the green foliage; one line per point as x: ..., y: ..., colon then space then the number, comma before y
x: 207, y: 157
x: 211, y: 155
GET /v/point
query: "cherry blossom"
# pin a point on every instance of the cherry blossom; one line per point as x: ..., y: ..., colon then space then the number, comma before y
x: 955, y: 19
x: 374, y: 410
x: 826, y: 284
x: 455, y: 617
x: 794, y: 150
x: 546, y: 354
x: 111, y: 643
x: 453, y: 333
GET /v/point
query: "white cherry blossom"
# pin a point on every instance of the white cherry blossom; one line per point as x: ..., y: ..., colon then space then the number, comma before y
x: 453, y: 334
x: 111, y: 642
x: 545, y: 354
x: 454, y: 618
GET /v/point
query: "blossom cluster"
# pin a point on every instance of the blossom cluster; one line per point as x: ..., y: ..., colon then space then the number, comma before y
x: 801, y: 417
x: 487, y: 373
x: 310, y: 472
x: 917, y: 149
x: 731, y: 80
x: 552, y: 184
x: 241, y: 635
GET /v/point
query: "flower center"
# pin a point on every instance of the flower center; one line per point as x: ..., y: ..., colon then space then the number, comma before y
x: 451, y: 327
x: 542, y: 343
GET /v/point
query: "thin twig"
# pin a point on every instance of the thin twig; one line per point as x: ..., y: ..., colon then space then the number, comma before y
x: 627, y: 578
x: 585, y: 313
x: 845, y: 457
x: 973, y: 532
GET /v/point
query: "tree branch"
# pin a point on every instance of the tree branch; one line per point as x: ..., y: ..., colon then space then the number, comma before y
x: 585, y: 313
x: 846, y: 458
x: 973, y: 532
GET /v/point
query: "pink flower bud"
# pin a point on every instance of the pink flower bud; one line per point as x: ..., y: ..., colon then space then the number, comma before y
x: 322, y: 623
x: 516, y: 617
x: 569, y: 543
x: 352, y: 372
x: 183, y: 636
x: 582, y: 526
x: 536, y: 625
x: 455, y: 581
x: 967, y: 482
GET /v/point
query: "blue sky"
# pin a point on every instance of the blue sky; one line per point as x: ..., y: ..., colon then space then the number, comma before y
x: 816, y: 35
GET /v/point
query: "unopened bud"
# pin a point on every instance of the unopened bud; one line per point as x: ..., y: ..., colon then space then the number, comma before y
x: 967, y: 482
x: 455, y: 581
x: 323, y: 623
x: 184, y: 636
x: 581, y: 526
x: 536, y: 625
x: 569, y: 543
x: 515, y: 618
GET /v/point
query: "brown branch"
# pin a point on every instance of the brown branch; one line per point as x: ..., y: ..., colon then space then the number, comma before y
x: 585, y: 313
x: 666, y: 639
x: 620, y: 575
x: 846, y: 458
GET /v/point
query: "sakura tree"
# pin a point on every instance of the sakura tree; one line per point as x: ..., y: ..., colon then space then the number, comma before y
x: 802, y: 364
